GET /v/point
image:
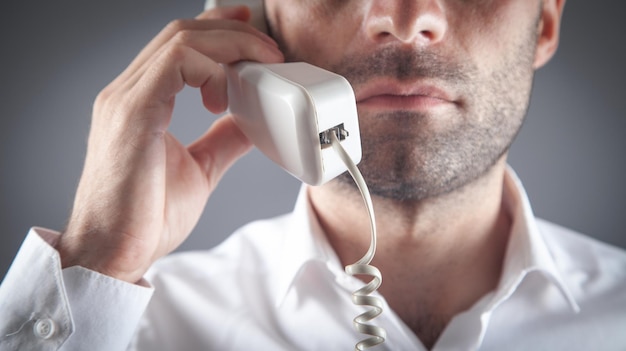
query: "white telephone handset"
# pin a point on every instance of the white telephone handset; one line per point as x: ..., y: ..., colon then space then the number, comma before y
x: 288, y: 110
x: 294, y: 113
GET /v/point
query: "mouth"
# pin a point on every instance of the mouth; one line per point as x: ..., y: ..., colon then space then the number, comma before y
x: 393, y: 95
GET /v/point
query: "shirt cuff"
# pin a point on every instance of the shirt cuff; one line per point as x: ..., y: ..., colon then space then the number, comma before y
x: 46, y: 307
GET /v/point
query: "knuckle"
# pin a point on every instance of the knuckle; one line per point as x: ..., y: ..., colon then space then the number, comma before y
x: 175, y: 53
x: 176, y: 25
x: 183, y: 36
x: 103, y: 96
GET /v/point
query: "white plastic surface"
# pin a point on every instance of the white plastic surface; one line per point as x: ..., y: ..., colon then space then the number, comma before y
x: 257, y: 10
x: 364, y: 295
x: 282, y: 108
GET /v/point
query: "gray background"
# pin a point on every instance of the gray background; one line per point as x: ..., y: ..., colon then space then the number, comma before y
x: 57, y: 55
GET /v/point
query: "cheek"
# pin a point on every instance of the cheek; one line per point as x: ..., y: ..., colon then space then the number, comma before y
x: 317, y: 32
x: 488, y: 30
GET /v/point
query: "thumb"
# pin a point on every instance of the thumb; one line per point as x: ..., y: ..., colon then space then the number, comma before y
x: 218, y: 149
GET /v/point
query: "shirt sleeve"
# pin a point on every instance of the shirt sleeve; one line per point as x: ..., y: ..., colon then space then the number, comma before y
x: 44, y: 307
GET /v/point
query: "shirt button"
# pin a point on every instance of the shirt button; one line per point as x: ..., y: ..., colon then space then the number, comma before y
x: 44, y: 328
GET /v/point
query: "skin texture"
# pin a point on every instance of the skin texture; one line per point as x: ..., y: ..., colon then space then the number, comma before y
x: 442, y: 88
x: 141, y: 191
x: 484, y: 70
x: 455, y: 78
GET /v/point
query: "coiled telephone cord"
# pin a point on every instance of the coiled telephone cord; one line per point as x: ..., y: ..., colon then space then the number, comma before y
x: 362, y: 296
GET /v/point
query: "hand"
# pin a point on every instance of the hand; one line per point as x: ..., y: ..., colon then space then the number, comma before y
x: 142, y: 192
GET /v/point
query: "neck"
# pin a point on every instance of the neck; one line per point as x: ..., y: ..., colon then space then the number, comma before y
x: 437, y: 256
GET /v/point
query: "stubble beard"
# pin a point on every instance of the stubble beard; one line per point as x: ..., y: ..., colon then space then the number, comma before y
x: 412, y: 156
x: 409, y: 156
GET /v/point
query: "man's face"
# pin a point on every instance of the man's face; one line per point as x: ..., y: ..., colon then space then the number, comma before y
x: 442, y: 86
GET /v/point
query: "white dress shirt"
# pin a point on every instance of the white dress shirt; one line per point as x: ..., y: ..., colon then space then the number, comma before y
x: 278, y: 285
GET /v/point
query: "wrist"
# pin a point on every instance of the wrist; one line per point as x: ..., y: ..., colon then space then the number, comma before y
x: 99, y: 258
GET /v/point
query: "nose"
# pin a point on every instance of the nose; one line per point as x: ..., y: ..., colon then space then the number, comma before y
x: 418, y: 22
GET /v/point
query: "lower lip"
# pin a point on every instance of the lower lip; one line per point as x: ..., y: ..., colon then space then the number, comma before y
x: 402, y: 102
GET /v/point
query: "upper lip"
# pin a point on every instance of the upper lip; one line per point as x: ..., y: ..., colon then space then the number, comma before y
x: 385, y: 87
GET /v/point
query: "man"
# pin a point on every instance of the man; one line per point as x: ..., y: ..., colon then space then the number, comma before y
x: 442, y: 89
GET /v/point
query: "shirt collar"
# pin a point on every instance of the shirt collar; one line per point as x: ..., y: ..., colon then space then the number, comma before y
x: 526, y: 251
x: 305, y: 243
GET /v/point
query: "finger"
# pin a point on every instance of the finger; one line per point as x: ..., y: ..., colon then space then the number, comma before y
x: 148, y: 96
x: 192, y: 59
x: 214, y: 91
x: 151, y: 96
x: 182, y: 25
x: 225, y: 46
x: 218, y: 149
x: 240, y: 13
